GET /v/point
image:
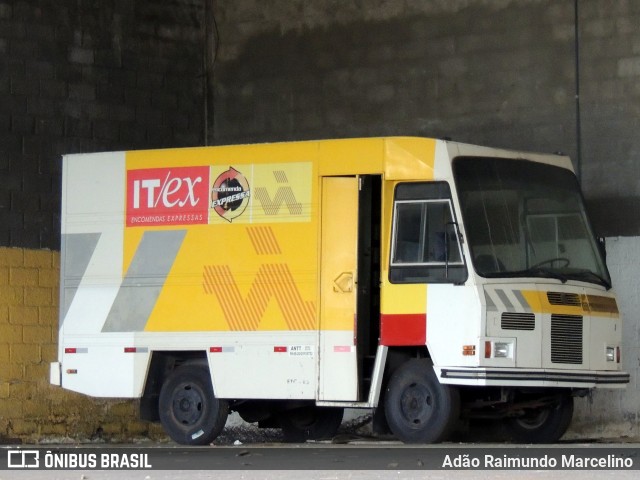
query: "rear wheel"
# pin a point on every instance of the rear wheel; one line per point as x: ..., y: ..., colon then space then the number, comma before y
x: 542, y: 425
x: 189, y: 411
x: 418, y: 408
x: 310, y: 423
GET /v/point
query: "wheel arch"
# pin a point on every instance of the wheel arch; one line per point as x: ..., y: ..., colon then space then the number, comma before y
x: 160, y: 367
x: 190, y: 413
x: 396, y: 357
x: 418, y: 408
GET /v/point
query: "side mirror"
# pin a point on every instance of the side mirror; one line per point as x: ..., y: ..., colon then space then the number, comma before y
x: 602, y: 244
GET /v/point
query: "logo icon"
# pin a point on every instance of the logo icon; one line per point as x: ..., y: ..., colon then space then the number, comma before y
x: 23, y: 459
x: 230, y: 194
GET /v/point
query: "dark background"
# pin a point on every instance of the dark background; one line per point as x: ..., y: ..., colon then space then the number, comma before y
x: 89, y: 75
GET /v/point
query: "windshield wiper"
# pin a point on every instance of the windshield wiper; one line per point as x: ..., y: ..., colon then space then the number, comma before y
x: 535, y: 272
x: 583, y: 274
x: 548, y: 273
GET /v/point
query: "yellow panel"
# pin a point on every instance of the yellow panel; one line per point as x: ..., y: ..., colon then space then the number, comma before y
x: 255, y: 272
x: 220, y: 281
x: 533, y: 299
x: 256, y: 268
x: 224, y: 155
x: 339, y: 245
x: 387, y: 218
x: 405, y: 298
x: 276, y: 192
x: 396, y: 298
x: 351, y: 157
x: 273, y: 318
x: 409, y: 158
x: 539, y: 303
x: 170, y: 157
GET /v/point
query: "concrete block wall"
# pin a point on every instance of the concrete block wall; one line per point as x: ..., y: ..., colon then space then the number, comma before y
x: 615, y: 413
x: 77, y: 76
x: 89, y: 76
x: 498, y: 73
x: 501, y: 73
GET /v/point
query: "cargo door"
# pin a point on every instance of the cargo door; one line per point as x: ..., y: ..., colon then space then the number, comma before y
x: 338, y: 371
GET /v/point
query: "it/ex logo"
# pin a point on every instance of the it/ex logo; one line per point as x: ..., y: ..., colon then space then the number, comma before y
x: 167, y: 196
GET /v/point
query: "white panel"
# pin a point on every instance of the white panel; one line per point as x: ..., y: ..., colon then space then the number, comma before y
x: 442, y: 166
x: 339, y: 379
x: 453, y: 320
x: 267, y: 365
x: 98, y: 288
x: 94, y: 202
x: 463, y: 149
x: 605, y: 332
x: 93, y: 192
x: 528, y: 342
x: 103, y: 370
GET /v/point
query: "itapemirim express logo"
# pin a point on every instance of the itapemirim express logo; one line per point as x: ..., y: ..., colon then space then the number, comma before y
x: 230, y: 194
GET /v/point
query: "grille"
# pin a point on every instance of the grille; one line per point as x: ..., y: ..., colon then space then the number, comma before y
x: 566, y: 339
x: 518, y: 321
x: 561, y: 298
x: 602, y: 304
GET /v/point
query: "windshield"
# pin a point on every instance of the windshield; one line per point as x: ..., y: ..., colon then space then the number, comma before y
x: 527, y: 219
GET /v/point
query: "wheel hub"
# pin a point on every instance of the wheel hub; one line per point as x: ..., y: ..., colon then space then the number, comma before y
x: 416, y: 404
x: 535, y: 419
x: 187, y: 405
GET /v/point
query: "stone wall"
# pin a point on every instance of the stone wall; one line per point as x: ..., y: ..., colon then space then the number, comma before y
x: 32, y: 410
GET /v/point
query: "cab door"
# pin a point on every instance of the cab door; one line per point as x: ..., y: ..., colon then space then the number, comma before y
x: 338, y: 371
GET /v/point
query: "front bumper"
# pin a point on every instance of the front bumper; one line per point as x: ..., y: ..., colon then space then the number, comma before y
x: 504, y: 377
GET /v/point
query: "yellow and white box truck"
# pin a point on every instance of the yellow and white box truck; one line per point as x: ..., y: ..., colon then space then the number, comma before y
x: 429, y: 280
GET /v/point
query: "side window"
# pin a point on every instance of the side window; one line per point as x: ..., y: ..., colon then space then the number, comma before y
x: 425, y: 245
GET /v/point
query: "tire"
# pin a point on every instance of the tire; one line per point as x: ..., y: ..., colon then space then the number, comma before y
x: 189, y: 411
x: 310, y: 423
x: 542, y: 425
x: 418, y: 408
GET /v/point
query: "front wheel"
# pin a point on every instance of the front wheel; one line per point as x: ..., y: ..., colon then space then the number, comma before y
x: 189, y: 411
x: 418, y: 408
x: 310, y: 423
x: 542, y: 425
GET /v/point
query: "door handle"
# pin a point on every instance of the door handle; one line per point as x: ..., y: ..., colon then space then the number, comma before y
x: 343, y: 283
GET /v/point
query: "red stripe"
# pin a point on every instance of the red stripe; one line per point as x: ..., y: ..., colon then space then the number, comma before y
x: 215, y: 349
x: 279, y: 349
x: 403, y: 329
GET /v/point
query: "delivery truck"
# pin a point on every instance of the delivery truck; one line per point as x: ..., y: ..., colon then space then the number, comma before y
x: 426, y: 280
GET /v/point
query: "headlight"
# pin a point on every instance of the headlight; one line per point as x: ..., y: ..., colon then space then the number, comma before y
x: 611, y: 354
x: 498, y: 349
x: 501, y: 350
